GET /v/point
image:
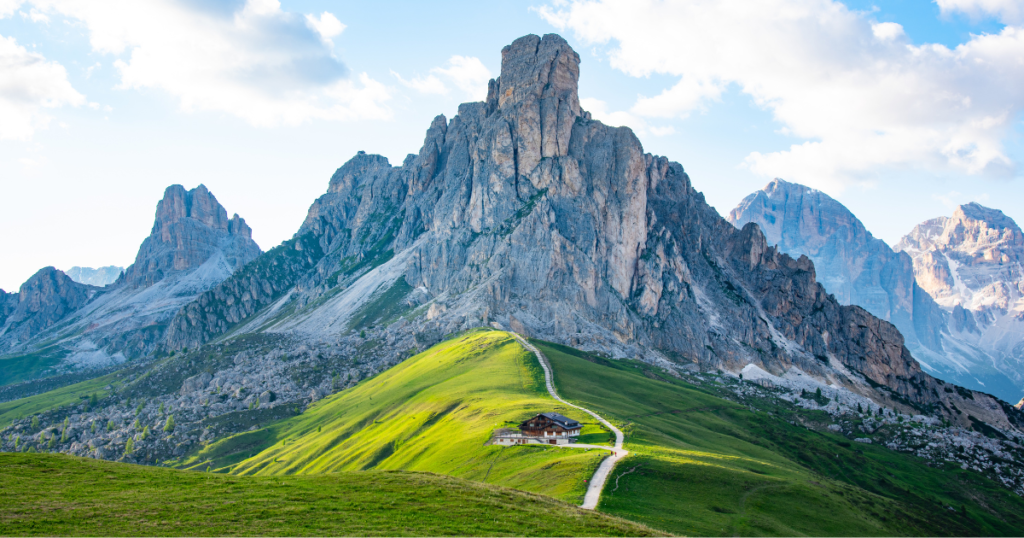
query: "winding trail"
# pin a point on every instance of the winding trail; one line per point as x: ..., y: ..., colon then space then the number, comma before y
x: 603, y: 471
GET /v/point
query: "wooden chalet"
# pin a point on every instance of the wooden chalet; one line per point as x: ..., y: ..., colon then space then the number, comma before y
x: 545, y: 428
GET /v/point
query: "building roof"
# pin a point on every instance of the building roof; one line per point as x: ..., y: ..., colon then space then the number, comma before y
x: 561, y: 420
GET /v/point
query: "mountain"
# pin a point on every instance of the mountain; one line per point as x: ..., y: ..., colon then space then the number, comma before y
x: 851, y: 263
x: 43, y: 300
x: 971, y: 264
x: 524, y: 213
x: 95, y: 277
x: 520, y: 213
x: 860, y: 269
x: 192, y: 247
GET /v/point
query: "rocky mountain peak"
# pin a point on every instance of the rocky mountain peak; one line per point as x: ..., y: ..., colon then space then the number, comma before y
x: 856, y: 267
x: 43, y: 300
x: 190, y: 228
x: 538, y: 68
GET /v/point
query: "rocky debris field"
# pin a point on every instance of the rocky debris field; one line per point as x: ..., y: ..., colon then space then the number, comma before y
x: 191, y: 399
x: 997, y: 454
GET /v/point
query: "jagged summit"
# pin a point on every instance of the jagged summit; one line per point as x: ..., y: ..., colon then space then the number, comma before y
x: 44, y: 299
x: 852, y: 264
x: 190, y: 228
x: 522, y: 212
x: 860, y: 269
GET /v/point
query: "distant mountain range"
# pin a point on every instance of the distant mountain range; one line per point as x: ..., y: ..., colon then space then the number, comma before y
x: 95, y: 277
x: 521, y: 213
x: 55, y: 324
x: 953, y: 286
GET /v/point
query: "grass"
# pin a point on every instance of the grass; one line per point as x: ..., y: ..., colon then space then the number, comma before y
x: 18, y: 368
x: 57, y: 495
x: 702, y: 465
x: 435, y: 412
x: 64, y: 396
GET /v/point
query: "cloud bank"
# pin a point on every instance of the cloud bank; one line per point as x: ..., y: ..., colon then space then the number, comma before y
x: 30, y: 84
x: 860, y: 95
x: 249, y: 59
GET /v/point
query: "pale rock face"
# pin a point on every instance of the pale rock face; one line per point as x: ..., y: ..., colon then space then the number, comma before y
x: 44, y: 300
x: 851, y: 263
x: 193, y: 247
x: 972, y: 259
x: 522, y: 212
x: 95, y: 277
x: 971, y: 263
x: 190, y: 227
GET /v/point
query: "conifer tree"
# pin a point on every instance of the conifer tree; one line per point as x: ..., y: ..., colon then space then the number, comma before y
x: 145, y: 433
x: 35, y: 422
x: 161, y: 410
x: 129, y: 446
x: 169, y: 425
x: 93, y: 428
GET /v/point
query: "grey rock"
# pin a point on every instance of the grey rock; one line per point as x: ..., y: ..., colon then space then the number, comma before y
x: 851, y: 263
x: 44, y: 300
x: 190, y: 228
x: 95, y: 277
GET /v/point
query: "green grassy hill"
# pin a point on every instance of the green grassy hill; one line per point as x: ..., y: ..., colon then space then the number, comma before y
x: 435, y: 412
x: 702, y: 465
x: 56, y: 495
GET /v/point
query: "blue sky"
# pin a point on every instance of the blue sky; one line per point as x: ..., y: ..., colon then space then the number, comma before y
x: 898, y: 109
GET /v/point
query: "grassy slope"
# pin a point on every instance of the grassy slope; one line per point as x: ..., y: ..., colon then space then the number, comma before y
x: 45, y: 494
x: 69, y: 395
x: 434, y: 412
x: 18, y: 368
x: 702, y: 465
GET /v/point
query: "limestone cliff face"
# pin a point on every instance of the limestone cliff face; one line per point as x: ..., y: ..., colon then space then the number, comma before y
x: 95, y: 277
x: 972, y: 264
x: 190, y: 228
x: 45, y: 299
x: 193, y: 247
x: 525, y: 213
x: 851, y: 263
x: 972, y: 259
x: 859, y: 269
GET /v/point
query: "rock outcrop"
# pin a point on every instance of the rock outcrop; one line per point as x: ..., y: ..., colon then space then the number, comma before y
x: 193, y: 247
x: 191, y: 227
x: 860, y: 269
x: 524, y: 213
x: 972, y: 264
x: 95, y: 277
x: 44, y: 300
x: 851, y: 263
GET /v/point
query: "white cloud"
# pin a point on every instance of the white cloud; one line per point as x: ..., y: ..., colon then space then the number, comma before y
x: 599, y: 111
x: 467, y: 73
x: 887, y: 31
x: 8, y: 7
x: 29, y: 84
x: 1009, y: 11
x: 858, y: 93
x: 428, y: 84
x: 328, y: 26
x: 249, y: 58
